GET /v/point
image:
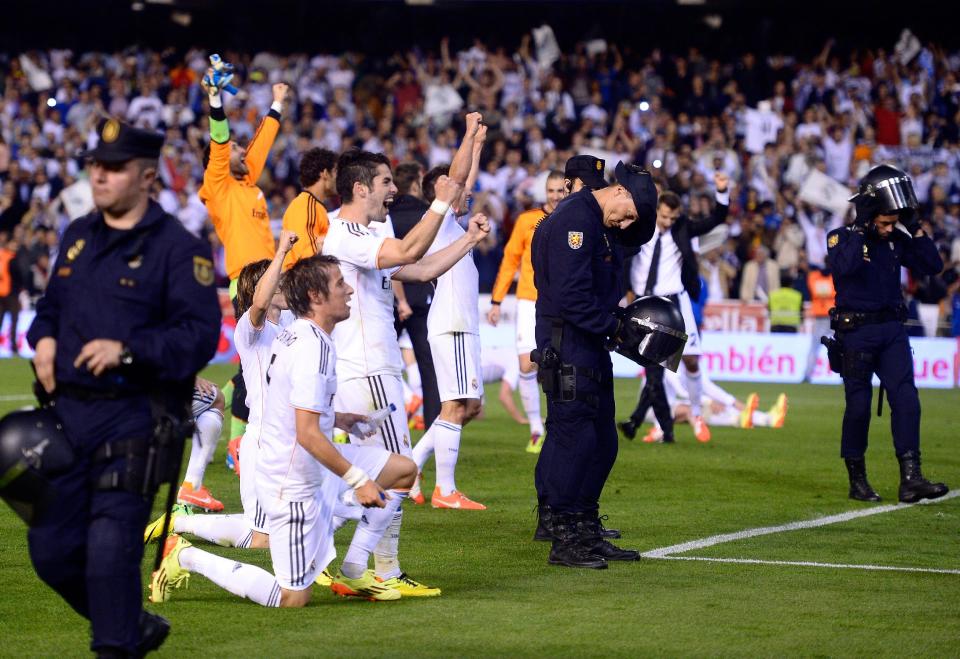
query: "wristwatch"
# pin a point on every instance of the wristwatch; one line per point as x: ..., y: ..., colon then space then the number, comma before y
x: 126, y: 357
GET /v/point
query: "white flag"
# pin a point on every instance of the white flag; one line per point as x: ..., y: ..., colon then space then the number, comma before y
x: 821, y: 190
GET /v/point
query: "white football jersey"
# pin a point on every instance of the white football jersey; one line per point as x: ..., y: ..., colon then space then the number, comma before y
x: 367, y: 341
x: 454, y: 306
x: 301, y: 374
x: 254, y: 346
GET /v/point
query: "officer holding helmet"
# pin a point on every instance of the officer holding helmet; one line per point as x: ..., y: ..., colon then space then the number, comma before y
x: 577, y: 253
x: 865, y: 260
x: 129, y: 317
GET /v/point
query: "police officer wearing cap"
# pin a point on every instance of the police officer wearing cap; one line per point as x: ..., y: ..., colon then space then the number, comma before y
x: 866, y: 259
x: 577, y: 252
x: 129, y: 317
x: 584, y: 172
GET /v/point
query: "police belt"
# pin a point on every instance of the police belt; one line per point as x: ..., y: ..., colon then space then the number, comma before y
x: 131, y: 477
x: 85, y: 394
x: 842, y: 320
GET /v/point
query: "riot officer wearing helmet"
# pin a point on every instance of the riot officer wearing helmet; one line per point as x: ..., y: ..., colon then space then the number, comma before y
x: 865, y: 259
x: 130, y: 315
x: 577, y: 253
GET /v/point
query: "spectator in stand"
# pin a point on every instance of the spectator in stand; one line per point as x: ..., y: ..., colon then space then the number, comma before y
x: 760, y: 277
x: 9, y: 287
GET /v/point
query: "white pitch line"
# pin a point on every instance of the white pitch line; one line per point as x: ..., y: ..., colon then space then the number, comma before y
x: 15, y: 397
x: 848, y: 566
x: 712, y: 540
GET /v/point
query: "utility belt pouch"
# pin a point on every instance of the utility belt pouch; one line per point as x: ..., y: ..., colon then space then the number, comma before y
x: 857, y: 366
x: 834, y: 353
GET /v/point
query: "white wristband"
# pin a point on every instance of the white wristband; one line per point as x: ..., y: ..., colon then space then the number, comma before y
x: 277, y: 107
x: 215, y: 100
x: 439, y: 207
x: 355, y: 477
x: 723, y: 198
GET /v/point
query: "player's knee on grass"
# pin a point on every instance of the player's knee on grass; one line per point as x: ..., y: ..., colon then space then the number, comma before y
x: 260, y: 541
x: 398, y: 474
x: 219, y: 402
x: 292, y: 599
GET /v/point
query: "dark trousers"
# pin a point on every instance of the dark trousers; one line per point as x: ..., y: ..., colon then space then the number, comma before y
x: 11, y: 304
x: 893, y: 364
x: 654, y: 395
x: 416, y: 326
x: 581, y: 447
x: 89, y: 544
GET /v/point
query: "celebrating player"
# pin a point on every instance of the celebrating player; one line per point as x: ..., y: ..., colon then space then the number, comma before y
x: 295, y: 486
x: 306, y: 215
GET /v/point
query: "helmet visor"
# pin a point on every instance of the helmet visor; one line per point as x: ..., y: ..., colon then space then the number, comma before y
x: 895, y: 194
x: 662, y: 345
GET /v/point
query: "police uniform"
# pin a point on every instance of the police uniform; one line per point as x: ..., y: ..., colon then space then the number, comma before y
x: 870, y: 335
x: 576, y: 262
x: 151, y: 288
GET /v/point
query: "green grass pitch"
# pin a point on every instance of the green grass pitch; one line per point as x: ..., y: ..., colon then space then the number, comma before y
x: 501, y: 598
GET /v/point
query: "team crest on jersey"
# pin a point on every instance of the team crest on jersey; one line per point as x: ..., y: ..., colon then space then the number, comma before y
x: 203, y: 270
x: 575, y: 239
x: 833, y: 240
x: 473, y: 383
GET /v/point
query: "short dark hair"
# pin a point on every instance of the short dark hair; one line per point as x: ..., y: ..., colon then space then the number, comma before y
x: 247, y: 284
x: 429, y: 184
x: 308, y: 275
x: 313, y: 163
x: 555, y: 174
x: 357, y: 166
x: 670, y: 199
x: 406, y: 175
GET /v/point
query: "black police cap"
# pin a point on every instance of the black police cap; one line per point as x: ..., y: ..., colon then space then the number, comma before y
x: 588, y: 169
x: 120, y: 142
x: 639, y: 184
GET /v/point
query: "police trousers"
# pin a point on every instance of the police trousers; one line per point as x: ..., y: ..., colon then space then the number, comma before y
x: 885, y: 350
x: 580, y: 447
x: 89, y: 544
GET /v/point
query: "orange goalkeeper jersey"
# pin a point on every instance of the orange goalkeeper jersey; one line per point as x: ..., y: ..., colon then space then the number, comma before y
x: 516, y: 254
x: 306, y: 217
x: 238, y: 209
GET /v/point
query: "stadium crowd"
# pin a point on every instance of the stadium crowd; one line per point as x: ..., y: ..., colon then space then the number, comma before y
x: 768, y: 122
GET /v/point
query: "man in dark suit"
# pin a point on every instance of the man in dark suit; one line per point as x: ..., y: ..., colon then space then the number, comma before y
x: 667, y: 266
x: 405, y: 211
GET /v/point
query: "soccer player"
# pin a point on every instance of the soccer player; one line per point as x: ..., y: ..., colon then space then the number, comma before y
x: 208, y: 404
x: 236, y: 205
x: 301, y: 475
x: 260, y: 307
x: 516, y: 254
x: 370, y: 367
x: 453, y: 326
x: 500, y: 365
x: 306, y: 215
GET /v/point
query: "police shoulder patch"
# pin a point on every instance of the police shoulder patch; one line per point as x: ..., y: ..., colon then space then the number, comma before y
x: 575, y: 239
x: 203, y: 270
x: 833, y: 240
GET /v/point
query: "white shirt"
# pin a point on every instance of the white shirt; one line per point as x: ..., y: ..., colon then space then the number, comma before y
x: 454, y: 307
x: 301, y: 374
x: 762, y: 129
x: 367, y: 341
x: 254, y: 347
x: 668, y: 272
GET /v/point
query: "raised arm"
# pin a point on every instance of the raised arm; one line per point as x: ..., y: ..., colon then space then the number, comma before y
x: 432, y: 266
x: 267, y: 286
x: 259, y: 148
x: 411, y: 248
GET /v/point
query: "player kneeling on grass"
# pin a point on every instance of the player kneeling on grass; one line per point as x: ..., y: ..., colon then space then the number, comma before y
x: 301, y: 475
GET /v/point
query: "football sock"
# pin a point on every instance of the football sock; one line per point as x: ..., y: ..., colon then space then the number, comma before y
x: 386, y: 558
x: 425, y: 447
x: 694, y: 382
x: 530, y: 398
x: 447, y: 440
x: 224, y: 530
x: 374, y: 527
x: 241, y: 579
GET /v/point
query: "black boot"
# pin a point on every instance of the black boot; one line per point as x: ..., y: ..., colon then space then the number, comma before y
x: 153, y: 632
x: 859, y: 487
x: 567, y: 549
x: 913, y: 486
x: 588, y: 526
x: 628, y: 428
x: 544, y: 523
x: 607, y: 533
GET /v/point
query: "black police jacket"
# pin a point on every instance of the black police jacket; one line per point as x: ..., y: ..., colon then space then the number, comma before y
x: 405, y: 211
x: 866, y: 268
x: 150, y: 287
x: 576, y: 269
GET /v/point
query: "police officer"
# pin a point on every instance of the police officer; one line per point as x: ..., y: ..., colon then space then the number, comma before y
x: 865, y: 260
x: 577, y: 253
x: 128, y: 319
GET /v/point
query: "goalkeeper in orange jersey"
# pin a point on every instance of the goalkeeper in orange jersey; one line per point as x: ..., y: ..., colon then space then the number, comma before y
x: 516, y: 254
x: 238, y: 210
x: 306, y: 215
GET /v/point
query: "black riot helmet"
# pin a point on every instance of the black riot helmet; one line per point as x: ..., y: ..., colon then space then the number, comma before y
x: 885, y: 190
x: 33, y: 447
x: 659, y: 336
